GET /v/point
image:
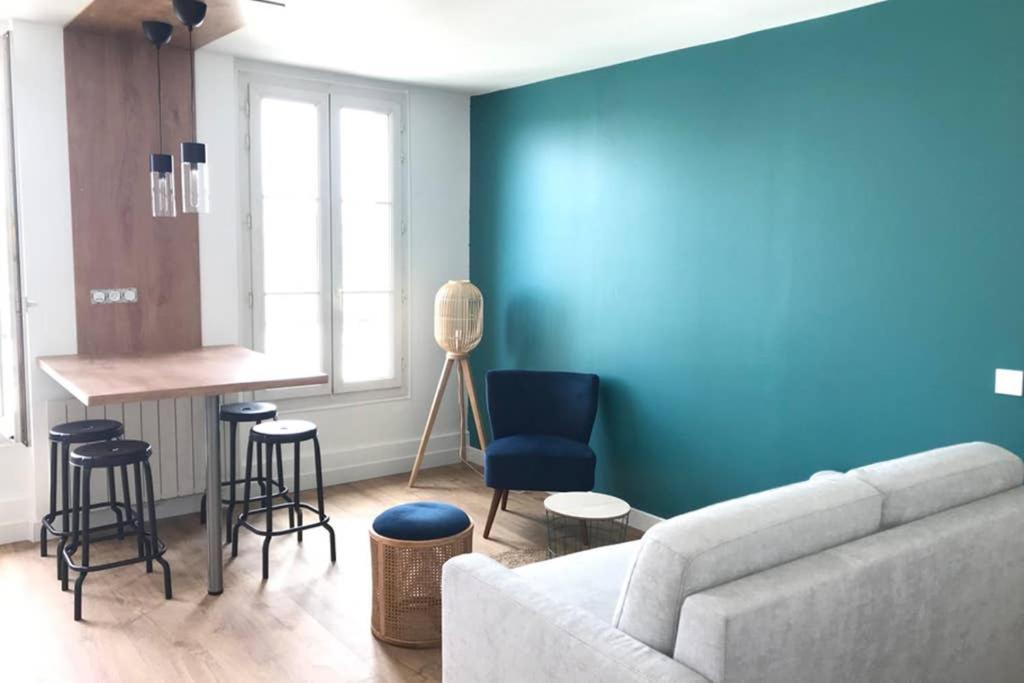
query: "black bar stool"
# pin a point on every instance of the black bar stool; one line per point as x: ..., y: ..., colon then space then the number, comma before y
x: 62, y: 437
x: 109, y: 455
x: 233, y: 413
x: 268, y: 437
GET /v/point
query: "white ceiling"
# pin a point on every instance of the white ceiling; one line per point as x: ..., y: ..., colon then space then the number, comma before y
x: 46, y: 11
x: 479, y: 45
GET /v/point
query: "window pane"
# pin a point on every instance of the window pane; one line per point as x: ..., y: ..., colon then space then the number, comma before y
x: 291, y: 245
x: 293, y: 328
x: 366, y: 249
x: 367, y: 337
x: 365, y: 150
x: 289, y: 148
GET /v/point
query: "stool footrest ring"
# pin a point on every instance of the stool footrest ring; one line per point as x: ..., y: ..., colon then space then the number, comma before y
x: 69, y: 552
x: 107, y: 532
x: 282, y: 490
x: 49, y: 521
x: 322, y: 520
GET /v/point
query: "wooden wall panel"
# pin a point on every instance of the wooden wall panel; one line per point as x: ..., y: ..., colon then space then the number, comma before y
x: 126, y: 16
x: 112, y: 129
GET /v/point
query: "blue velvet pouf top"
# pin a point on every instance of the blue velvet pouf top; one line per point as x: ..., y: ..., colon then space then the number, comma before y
x: 421, y: 521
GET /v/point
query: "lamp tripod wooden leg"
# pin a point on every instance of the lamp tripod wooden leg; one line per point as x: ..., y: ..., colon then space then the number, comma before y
x: 465, y: 379
x: 462, y: 415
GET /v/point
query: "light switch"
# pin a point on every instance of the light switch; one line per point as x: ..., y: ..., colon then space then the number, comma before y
x: 1010, y: 382
x: 98, y: 296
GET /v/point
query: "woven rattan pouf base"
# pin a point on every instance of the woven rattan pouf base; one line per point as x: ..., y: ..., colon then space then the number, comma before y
x: 407, y: 586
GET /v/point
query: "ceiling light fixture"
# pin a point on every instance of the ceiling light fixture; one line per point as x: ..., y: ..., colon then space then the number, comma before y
x: 161, y: 165
x: 195, y: 188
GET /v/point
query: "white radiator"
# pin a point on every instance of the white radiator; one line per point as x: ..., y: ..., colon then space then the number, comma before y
x: 175, y: 428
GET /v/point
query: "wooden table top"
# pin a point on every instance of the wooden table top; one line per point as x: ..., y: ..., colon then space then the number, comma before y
x: 209, y: 370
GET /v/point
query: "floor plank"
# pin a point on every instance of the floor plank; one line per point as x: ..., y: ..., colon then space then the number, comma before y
x: 309, y: 622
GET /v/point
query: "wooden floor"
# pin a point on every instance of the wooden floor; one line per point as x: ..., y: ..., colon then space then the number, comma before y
x: 309, y: 622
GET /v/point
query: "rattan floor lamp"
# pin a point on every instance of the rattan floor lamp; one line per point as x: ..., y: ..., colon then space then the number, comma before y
x: 458, y: 328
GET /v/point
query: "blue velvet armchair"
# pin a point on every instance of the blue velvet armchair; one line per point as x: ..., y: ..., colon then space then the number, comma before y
x: 540, y: 426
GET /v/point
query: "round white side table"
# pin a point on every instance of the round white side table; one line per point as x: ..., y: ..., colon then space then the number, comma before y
x: 579, y: 520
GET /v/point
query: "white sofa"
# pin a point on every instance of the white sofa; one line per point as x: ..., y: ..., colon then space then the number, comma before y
x: 906, y: 570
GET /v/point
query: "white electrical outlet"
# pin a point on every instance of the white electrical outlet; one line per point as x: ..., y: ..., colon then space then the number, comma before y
x: 127, y: 295
x: 1010, y: 382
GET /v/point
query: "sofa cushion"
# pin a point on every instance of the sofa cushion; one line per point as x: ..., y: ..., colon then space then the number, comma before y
x: 723, y: 542
x: 922, y: 484
x: 539, y: 463
x: 590, y: 580
x: 937, y: 600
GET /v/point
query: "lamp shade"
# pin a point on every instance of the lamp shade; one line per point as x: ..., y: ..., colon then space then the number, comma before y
x: 458, y: 316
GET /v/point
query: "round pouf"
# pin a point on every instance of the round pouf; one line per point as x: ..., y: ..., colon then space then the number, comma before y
x: 408, y: 545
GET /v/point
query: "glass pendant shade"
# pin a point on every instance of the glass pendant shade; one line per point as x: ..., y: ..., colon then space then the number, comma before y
x: 195, y: 186
x: 161, y: 185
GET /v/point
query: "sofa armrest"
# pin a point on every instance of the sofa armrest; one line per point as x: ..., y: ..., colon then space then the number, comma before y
x: 497, y: 627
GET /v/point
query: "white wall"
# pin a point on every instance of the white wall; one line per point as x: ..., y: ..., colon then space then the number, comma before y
x: 379, y: 437
x: 217, y: 116
x: 44, y: 212
x: 359, y: 441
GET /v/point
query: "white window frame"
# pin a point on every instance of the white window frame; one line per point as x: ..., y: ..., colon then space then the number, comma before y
x: 257, y: 317
x: 393, y: 107
x: 13, y: 398
x: 330, y: 96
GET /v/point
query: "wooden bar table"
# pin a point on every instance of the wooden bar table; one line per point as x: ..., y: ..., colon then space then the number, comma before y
x: 208, y: 371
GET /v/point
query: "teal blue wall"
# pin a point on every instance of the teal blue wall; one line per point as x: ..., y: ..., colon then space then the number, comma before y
x: 795, y: 250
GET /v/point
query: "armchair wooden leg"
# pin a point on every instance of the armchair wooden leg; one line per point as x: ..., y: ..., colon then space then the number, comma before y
x: 504, y: 500
x: 494, y: 510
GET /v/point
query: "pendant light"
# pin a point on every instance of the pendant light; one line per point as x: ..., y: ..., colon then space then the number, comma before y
x: 161, y: 166
x: 195, y: 188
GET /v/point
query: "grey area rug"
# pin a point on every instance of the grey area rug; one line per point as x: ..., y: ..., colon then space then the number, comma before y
x: 519, y: 557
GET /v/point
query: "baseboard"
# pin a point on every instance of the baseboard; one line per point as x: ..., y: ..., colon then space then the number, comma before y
x: 340, y: 467
x: 381, y: 460
x: 642, y: 521
x: 638, y: 519
x: 343, y: 467
x: 13, y: 532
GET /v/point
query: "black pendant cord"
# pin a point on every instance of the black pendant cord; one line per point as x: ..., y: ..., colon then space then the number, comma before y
x: 192, y: 80
x: 159, y: 103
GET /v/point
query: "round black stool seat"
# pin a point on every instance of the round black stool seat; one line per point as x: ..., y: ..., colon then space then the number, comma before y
x: 248, y: 411
x: 111, y: 454
x: 86, y: 431
x: 283, y: 431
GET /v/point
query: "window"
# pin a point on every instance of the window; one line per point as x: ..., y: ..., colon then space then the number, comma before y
x: 12, y: 366
x: 325, y: 201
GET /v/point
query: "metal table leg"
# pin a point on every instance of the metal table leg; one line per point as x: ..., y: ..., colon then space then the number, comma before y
x: 214, y: 532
